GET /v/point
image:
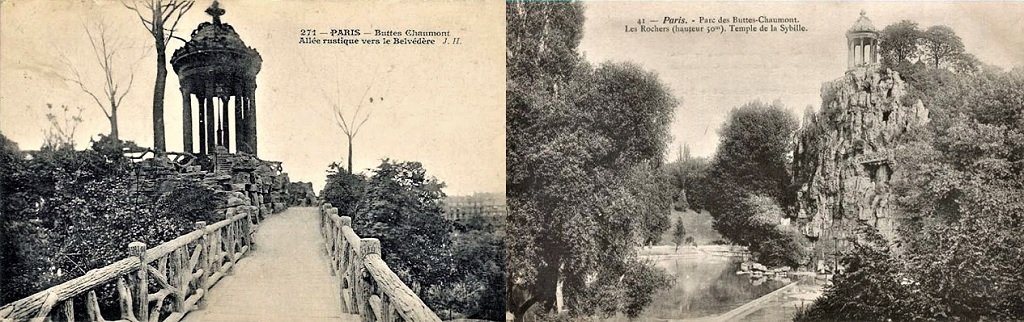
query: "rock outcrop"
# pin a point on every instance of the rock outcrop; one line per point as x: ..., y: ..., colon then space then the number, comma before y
x: 843, y: 155
x: 239, y: 180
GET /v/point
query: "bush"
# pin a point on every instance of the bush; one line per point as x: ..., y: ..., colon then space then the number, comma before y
x: 343, y: 190
x: 66, y: 212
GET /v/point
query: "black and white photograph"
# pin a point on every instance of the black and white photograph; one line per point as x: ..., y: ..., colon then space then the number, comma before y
x: 765, y: 161
x: 229, y: 160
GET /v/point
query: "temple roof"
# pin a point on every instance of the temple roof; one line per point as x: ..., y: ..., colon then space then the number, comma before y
x: 863, y: 24
x: 214, y: 41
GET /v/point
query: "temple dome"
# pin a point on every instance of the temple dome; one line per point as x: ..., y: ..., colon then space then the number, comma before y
x: 215, y: 47
x: 863, y: 24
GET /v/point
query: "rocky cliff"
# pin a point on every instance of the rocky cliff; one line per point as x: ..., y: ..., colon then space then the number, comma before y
x: 842, y: 158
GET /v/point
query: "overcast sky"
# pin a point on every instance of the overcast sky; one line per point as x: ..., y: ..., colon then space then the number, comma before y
x: 714, y: 73
x: 443, y: 105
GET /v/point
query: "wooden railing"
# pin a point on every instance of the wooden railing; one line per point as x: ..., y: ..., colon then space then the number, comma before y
x: 162, y: 283
x: 368, y: 286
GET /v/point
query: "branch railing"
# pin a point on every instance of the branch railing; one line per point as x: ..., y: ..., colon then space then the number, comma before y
x: 368, y: 286
x: 162, y: 283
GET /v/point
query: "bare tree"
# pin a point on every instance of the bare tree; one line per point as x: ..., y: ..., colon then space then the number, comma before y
x: 105, y: 48
x: 350, y: 126
x: 160, y: 13
x: 64, y: 123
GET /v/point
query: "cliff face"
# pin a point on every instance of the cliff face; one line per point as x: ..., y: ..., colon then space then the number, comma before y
x: 842, y: 158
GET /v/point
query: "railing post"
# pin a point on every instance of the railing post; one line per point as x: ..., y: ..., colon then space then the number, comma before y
x: 231, y: 239
x: 138, y: 249
x: 367, y: 246
x: 204, y: 260
x: 250, y: 230
x: 344, y: 265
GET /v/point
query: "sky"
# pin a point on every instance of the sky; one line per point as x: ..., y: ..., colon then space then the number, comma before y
x: 443, y: 105
x: 713, y: 73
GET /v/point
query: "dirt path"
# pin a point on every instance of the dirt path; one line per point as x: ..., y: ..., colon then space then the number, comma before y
x: 285, y: 279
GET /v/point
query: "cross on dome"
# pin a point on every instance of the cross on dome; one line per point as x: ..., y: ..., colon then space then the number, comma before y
x: 216, y: 11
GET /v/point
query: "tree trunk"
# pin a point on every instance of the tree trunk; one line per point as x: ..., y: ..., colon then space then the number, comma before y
x: 158, y: 98
x: 350, y: 154
x: 161, y: 77
x: 113, y: 119
x: 546, y: 288
x: 113, y: 127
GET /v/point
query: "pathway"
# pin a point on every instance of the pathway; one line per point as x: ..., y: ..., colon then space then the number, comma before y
x: 286, y: 278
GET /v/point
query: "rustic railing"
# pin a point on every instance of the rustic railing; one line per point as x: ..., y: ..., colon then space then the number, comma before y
x: 368, y: 286
x: 162, y: 283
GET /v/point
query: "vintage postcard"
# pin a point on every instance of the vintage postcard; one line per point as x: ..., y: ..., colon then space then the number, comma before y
x: 765, y: 161
x: 228, y: 160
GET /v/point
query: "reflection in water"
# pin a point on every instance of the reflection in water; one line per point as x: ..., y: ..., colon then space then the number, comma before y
x: 708, y: 286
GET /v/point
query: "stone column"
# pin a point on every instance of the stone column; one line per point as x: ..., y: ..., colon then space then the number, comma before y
x: 186, y: 119
x: 211, y: 124
x: 202, y: 122
x: 224, y: 124
x: 251, y: 116
x: 239, y: 136
x: 874, y: 51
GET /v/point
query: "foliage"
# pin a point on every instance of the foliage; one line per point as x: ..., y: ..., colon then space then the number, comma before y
x: 906, y: 49
x: 113, y: 148
x: 959, y: 197
x: 899, y: 44
x: 584, y: 147
x: 402, y: 208
x: 941, y: 45
x: 458, y: 270
x: 678, y: 233
x: 687, y: 175
x: 747, y: 173
x: 343, y: 189
x: 479, y: 259
x: 66, y: 212
x: 873, y: 288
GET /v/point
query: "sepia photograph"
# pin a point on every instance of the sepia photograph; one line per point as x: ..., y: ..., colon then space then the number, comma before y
x: 229, y: 160
x: 765, y: 161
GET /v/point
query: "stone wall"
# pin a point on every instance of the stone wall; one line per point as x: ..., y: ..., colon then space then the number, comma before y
x: 301, y: 194
x: 843, y: 155
x: 241, y: 181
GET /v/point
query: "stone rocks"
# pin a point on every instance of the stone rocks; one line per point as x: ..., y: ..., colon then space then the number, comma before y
x: 843, y: 154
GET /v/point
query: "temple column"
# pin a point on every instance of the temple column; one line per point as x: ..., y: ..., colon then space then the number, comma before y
x: 225, y: 123
x: 202, y: 123
x: 211, y: 124
x: 186, y: 119
x: 863, y: 51
x: 252, y: 118
x: 239, y: 136
x: 874, y: 51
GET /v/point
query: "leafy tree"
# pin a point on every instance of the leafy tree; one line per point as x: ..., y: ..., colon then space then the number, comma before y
x: 679, y: 233
x: 751, y: 160
x: 343, y: 189
x: 941, y: 45
x: 584, y: 149
x: 402, y: 208
x: 687, y: 175
x: 899, y: 43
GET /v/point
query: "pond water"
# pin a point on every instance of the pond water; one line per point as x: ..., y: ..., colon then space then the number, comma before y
x: 705, y: 287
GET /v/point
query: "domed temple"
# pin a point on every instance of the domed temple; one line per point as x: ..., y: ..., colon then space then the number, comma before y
x: 862, y: 42
x: 218, y: 69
